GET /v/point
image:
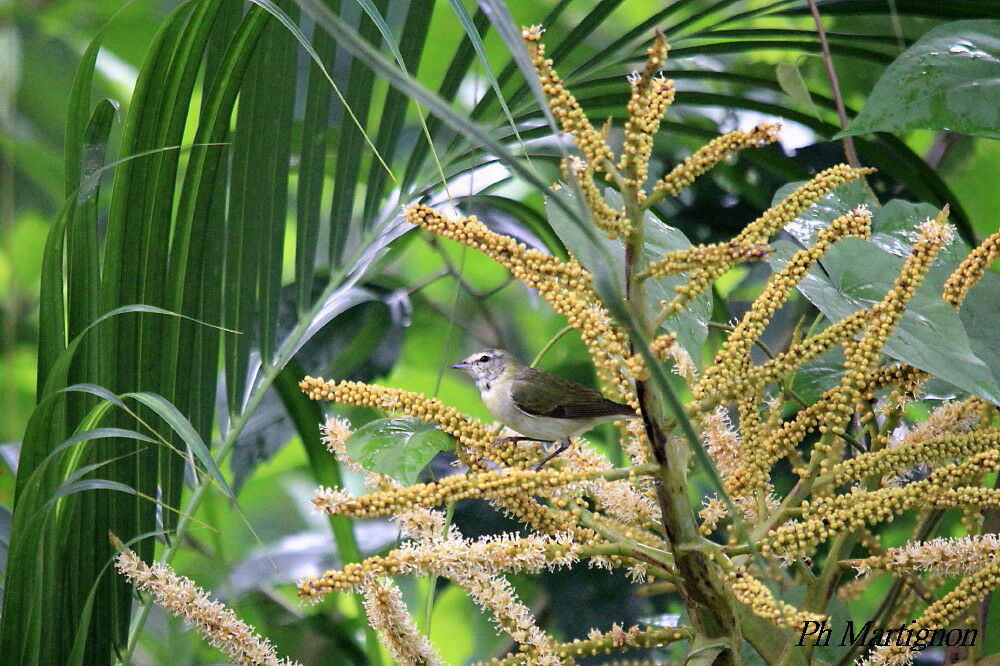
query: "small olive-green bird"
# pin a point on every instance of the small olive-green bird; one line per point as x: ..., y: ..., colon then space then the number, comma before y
x: 537, y: 404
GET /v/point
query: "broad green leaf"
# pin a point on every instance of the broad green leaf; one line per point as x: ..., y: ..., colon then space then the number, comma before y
x: 893, y: 230
x: 931, y: 336
x: 397, y: 447
x: 818, y: 375
x: 948, y: 80
x: 957, y: 348
x: 980, y: 314
x: 691, y: 324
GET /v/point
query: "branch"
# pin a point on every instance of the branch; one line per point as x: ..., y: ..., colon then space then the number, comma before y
x: 831, y: 75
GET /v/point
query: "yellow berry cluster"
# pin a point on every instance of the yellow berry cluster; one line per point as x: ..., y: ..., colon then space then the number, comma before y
x: 733, y: 360
x: 861, y: 357
x: 564, y: 106
x: 471, y: 434
x: 566, y: 286
x: 971, y: 270
x: 712, y: 153
x: 636, y: 368
x: 765, y: 226
x: 494, y: 483
x: 521, y: 506
x: 531, y: 266
x: 776, y: 217
x: 753, y: 593
x: 612, y: 222
x: 904, y: 377
x: 604, y: 642
x: 492, y: 555
x: 766, y: 448
x: 650, y: 96
x: 800, y: 353
x: 832, y: 515
x: 879, y: 463
x: 729, y: 254
x: 945, y: 611
x: 832, y: 411
x: 661, y: 345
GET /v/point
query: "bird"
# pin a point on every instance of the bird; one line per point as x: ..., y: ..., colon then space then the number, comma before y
x: 538, y: 405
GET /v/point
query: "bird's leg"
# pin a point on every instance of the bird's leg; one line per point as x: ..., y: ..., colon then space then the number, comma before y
x: 563, y: 445
x: 519, y: 438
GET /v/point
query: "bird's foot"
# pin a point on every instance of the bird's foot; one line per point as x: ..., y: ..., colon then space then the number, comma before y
x: 559, y: 449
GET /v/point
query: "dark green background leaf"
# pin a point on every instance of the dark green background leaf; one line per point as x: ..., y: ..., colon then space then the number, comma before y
x: 948, y: 80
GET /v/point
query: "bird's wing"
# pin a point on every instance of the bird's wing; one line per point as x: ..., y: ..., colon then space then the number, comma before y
x: 541, y: 393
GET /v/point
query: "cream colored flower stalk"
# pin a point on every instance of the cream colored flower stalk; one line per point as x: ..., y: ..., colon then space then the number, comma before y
x: 946, y: 556
x: 494, y: 484
x: 388, y: 615
x: 219, y: 625
x: 721, y: 441
x: 335, y: 432
x: 496, y: 595
x: 713, y: 152
x: 451, y: 557
x: 621, y: 499
x: 951, y: 417
x: 943, y: 612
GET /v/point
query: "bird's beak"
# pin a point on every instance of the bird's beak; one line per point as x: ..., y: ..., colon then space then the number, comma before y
x: 461, y: 365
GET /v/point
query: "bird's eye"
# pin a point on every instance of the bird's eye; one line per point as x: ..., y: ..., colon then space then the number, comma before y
x: 484, y: 358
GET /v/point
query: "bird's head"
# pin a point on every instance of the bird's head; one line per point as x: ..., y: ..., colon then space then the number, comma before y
x: 486, y: 367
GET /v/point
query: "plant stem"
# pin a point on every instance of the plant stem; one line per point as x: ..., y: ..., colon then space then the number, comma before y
x: 709, y: 603
x: 548, y: 345
x: 831, y: 75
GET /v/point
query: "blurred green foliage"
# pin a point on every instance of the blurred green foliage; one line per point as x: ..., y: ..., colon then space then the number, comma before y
x: 453, y: 299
